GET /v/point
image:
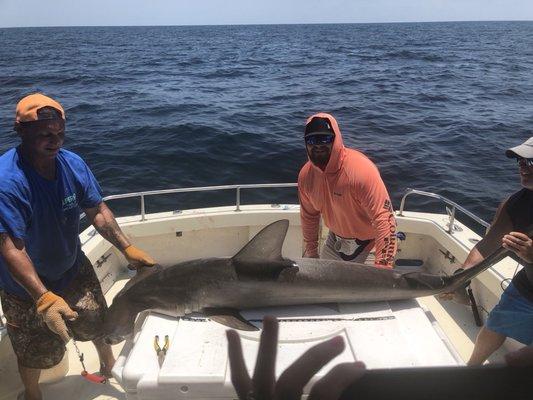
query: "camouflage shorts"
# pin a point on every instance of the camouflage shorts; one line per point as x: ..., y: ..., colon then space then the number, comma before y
x: 34, y: 344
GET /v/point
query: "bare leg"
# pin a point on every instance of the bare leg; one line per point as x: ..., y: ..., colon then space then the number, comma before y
x: 105, y: 354
x: 30, y: 379
x: 487, y: 342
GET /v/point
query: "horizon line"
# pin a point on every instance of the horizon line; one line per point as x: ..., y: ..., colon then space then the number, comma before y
x: 264, y: 24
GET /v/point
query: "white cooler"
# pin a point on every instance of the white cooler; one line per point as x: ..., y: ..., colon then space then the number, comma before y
x: 383, y: 335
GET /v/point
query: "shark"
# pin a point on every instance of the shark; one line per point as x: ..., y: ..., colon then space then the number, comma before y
x: 259, y: 276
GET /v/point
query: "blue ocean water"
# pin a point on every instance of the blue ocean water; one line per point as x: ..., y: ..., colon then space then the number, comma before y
x: 433, y: 104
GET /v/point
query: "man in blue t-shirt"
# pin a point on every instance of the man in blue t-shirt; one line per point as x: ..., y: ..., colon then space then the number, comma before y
x: 44, y: 275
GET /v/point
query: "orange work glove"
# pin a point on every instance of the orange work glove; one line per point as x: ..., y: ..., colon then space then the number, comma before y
x: 138, y: 258
x: 53, y: 309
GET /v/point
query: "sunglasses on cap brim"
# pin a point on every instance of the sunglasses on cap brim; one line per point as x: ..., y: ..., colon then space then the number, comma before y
x: 319, y: 139
x: 528, y: 162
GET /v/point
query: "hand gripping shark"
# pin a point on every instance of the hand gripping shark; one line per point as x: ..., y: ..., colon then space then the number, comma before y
x: 258, y: 276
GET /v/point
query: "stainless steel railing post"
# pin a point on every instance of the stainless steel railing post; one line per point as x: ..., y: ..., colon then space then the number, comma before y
x: 238, y: 199
x: 143, y: 208
x: 402, y: 203
x: 452, y: 220
x: 2, y: 325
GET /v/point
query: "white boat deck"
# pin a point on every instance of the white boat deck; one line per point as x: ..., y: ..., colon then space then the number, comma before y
x: 383, y: 335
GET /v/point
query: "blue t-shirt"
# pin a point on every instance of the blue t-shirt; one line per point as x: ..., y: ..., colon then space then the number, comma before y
x: 46, y: 215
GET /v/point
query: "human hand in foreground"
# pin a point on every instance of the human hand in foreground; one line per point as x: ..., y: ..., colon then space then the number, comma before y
x: 520, y: 358
x: 53, y: 310
x: 520, y: 244
x: 290, y: 385
x: 138, y: 258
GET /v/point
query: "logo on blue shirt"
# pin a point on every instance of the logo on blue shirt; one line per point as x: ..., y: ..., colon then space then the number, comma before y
x: 69, y: 202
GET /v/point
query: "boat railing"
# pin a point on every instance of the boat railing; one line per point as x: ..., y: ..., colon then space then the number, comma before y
x: 238, y: 188
x: 451, y: 211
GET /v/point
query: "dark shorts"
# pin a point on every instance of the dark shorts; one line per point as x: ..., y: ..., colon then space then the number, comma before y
x: 34, y: 344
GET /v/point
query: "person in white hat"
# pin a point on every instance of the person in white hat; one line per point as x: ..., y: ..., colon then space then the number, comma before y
x: 513, y: 315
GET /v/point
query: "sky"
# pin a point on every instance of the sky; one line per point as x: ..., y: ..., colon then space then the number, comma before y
x: 27, y: 13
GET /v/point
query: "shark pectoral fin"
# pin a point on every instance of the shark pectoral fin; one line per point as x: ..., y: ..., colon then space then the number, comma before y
x: 233, y: 322
x: 229, y: 317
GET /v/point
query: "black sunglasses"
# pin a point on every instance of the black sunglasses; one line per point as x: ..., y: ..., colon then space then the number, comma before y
x: 319, y: 139
x: 528, y: 162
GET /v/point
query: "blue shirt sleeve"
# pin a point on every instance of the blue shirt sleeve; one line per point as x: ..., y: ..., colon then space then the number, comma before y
x: 92, y: 193
x: 15, y: 211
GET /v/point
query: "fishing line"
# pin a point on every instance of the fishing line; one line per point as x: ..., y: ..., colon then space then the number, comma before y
x: 509, y: 281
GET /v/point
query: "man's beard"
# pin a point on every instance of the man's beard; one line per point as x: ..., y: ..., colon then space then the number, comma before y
x: 320, y: 160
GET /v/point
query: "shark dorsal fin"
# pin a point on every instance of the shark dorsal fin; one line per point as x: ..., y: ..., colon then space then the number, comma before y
x: 266, y: 245
x: 261, y: 258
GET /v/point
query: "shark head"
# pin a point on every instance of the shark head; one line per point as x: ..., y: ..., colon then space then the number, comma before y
x: 119, y: 321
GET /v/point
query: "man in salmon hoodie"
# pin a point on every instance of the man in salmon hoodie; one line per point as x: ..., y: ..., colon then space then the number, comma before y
x: 344, y: 187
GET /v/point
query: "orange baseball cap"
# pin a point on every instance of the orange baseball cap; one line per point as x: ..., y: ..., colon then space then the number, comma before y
x: 28, y: 108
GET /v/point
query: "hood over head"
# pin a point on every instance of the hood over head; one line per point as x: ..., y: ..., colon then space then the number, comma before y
x: 337, y: 150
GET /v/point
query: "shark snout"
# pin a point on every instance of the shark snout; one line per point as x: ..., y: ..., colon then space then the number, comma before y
x: 119, y: 322
x: 114, y: 339
x: 117, y: 333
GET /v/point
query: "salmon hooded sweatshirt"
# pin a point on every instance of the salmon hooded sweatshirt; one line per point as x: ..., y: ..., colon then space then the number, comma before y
x: 351, y: 197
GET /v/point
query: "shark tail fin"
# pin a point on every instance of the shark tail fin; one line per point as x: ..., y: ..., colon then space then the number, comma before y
x: 462, y: 279
x: 496, y: 256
